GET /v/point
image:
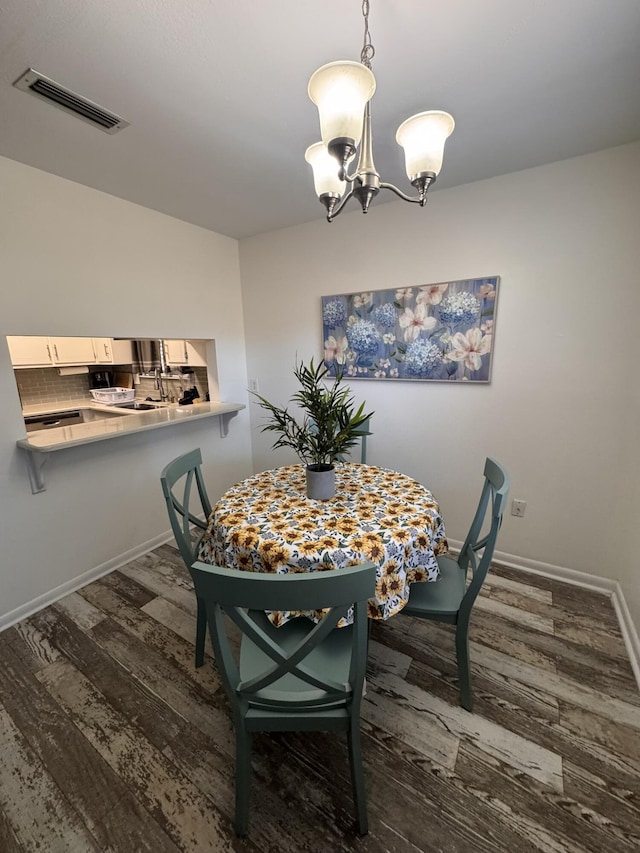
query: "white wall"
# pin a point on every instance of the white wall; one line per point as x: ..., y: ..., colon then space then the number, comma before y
x: 74, y: 261
x: 562, y: 411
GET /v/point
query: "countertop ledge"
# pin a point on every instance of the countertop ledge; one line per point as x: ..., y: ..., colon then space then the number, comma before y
x: 71, y: 405
x: 63, y: 437
x: 39, y: 444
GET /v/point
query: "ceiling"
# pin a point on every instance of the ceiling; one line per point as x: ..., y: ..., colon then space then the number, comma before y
x: 216, y: 92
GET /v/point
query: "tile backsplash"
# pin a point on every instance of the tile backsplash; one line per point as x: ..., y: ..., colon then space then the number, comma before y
x: 172, y: 386
x: 45, y: 385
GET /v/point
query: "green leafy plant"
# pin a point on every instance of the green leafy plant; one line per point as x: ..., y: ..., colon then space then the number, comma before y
x: 330, y: 425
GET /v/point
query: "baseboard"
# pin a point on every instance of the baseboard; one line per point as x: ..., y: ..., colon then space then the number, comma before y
x: 548, y: 570
x: 36, y: 604
x: 561, y: 573
x: 605, y: 586
x: 629, y: 632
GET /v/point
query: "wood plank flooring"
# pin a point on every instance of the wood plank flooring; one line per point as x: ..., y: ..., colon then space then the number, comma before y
x: 111, y: 740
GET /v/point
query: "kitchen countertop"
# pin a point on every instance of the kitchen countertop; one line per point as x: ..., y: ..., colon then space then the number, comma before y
x: 131, y: 421
x: 39, y: 444
x: 72, y: 405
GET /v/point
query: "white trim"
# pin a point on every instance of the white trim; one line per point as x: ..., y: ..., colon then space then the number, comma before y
x: 629, y: 632
x: 36, y: 604
x: 605, y: 586
x: 548, y: 570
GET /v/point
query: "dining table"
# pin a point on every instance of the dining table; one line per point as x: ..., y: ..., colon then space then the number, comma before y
x: 266, y: 523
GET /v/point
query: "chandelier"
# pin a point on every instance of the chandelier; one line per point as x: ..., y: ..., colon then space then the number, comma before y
x: 342, y: 92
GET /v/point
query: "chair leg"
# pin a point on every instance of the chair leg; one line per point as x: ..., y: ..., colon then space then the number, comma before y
x: 464, y: 670
x: 201, y: 632
x: 357, y: 776
x: 243, y: 779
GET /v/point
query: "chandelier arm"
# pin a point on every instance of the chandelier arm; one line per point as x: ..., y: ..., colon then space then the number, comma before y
x: 421, y: 200
x: 350, y: 179
x: 339, y: 207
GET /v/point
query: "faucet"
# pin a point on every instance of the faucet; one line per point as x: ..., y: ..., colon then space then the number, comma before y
x: 159, y: 385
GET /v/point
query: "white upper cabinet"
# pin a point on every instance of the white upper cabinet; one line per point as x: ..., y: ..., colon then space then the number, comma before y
x: 185, y: 352
x: 176, y: 351
x: 103, y: 348
x: 33, y: 351
x: 122, y: 351
x: 42, y: 351
x: 72, y: 350
x: 196, y: 353
x: 110, y: 351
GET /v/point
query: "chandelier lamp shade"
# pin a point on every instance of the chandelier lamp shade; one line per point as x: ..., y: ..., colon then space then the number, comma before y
x: 342, y: 92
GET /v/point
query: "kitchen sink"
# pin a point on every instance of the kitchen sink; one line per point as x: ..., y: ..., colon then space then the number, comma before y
x: 138, y: 406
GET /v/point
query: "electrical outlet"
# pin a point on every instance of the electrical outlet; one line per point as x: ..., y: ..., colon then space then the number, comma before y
x: 518, y: 507
x: 253, y: 385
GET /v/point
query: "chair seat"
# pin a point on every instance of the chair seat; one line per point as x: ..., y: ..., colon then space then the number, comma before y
x: 440, y: 597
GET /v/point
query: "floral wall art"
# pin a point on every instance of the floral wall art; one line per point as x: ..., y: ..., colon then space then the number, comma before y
x: 432, y: 332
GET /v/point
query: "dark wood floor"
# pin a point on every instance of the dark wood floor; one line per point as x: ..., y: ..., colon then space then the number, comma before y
x: 112, y: 741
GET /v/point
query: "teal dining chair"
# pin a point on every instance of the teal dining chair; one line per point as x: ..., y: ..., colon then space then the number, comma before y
x: 450, y: 599
x: 184, y: 475
x: 365, y: 429
x: 301, y: 676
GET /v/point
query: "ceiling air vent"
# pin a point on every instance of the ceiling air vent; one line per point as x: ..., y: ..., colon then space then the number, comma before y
x: 43, y: 87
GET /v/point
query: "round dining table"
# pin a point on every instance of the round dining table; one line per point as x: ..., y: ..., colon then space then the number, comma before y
x: 266, y: 523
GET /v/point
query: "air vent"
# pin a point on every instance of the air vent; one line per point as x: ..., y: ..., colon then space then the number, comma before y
x: 47, y: 89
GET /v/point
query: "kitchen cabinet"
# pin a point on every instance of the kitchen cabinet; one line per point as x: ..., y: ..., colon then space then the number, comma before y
x: 196, y: 353
x: 176, y: 351
x: 110, y: 351
x: 103, y: 348
x: 185, y: 352
x: 32, y: 351
x: 40, y: 351
x: 43, y: 351
x: 72, y: 350
x: 122, y: 352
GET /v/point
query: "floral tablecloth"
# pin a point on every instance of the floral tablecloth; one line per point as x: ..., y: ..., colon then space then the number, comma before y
x: 267, y: 524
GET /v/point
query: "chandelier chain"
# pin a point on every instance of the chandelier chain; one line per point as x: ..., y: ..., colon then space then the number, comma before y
x: 368, y: 50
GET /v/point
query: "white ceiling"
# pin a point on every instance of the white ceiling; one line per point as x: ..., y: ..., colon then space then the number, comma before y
x: 216, y: 92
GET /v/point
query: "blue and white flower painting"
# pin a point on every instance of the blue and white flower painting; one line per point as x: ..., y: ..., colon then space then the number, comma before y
x: 433, y: 332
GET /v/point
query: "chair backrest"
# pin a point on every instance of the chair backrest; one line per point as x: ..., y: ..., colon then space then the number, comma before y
x: 365, y: 430
x: 477, y: 551
x: 289, y: 680
x: 182, y: 512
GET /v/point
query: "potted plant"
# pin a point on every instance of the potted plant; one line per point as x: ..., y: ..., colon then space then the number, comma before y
x: 329, y: 427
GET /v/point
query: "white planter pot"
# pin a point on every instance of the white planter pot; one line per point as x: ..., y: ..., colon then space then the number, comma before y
x: 321, y: 485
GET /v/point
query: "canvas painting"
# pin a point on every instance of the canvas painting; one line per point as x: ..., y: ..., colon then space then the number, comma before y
x: 431, y: 332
